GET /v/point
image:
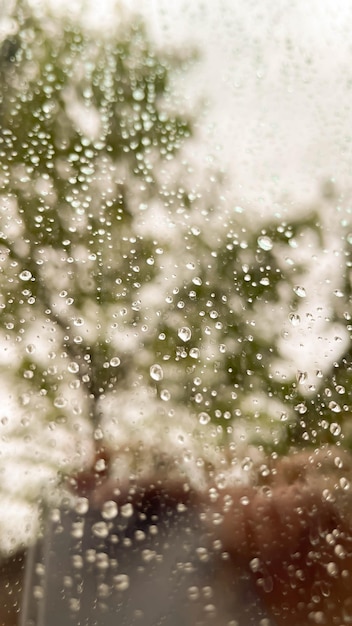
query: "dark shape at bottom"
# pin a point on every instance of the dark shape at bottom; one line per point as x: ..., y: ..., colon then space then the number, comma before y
x: 138, y: 569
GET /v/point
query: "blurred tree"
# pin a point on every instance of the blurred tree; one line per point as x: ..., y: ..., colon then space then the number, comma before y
x: 138, y: 309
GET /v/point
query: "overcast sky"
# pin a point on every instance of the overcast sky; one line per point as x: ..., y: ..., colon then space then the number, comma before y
x: 279, y: 77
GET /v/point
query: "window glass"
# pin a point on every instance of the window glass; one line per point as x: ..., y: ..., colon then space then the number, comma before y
x: 175, y: 324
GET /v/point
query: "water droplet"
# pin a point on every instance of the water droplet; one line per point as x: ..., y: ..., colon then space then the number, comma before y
x: 165, y: 395
x: 73, y: 367
x: 184, y: 333
x: 100, y: 529
x: 300, y: 291
x: 60, y: 402
x: 204, y: 418
x: 294, y: 319
x: 115, y: 361
x: 109, y: 510
x: 25, y: 275
x: 30, y: 348
x: 77, y: 530
x: 82, y: 506
x: 194, y: 353
x: 193, y: 593
x: 335, y: 429
x: 121, y: 582
x: 265, y: 243
x: 247, y: 464
x: 255, y: 565
x: 344, y: 483
x: 138, y: 95
x: 127, y: 510
x: 156, y: 372
x: 301, y: 377
x: 332, y: 569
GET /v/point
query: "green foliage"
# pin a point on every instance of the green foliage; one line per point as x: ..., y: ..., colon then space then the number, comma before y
x: 115, y: 275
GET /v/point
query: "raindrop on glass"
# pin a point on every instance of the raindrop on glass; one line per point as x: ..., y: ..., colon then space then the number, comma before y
x: 109, y: 510
x: 300, y: 291
x: 204, y: 418
x: 25, y: 275
x: 73, y: 367
x: 122, y: 582
x: 156, y: 372
x: 335, y: 429
x: 265, y: 243
x: 100, y: 529
x: 184, y: 333
x: 294, y: 319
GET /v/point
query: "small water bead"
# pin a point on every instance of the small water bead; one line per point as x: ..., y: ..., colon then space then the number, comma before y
x: 335, y: 407
x: 25, y: 275
x: 332, y: 569
x: 115, y: 361
x: 344, y: 483
x: 60, y: 402
x: 100, y: 529
x: 193, y: 593
x: 184, y: 333
x: 109, y: 510
x: 300, y: 291
x: 335, y: 429
x: 121, y: 582
x: 301, y: 377
x: 73, y: 367
x: 255, y: 565
x: 194, y: 353
x: 294, y: 319
x: 82, y: 506
x: 102, y: 561
x: 165, y: 395
x: 265, y: 243
x: 156, y: 372
x: 138, y: 95
x: 204, y: 418
x: 127, y: 510
x: 77, y: 530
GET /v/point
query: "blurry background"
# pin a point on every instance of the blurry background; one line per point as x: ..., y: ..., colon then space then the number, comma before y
x: 209, y: 324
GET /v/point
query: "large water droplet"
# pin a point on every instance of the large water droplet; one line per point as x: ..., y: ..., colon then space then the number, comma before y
x: 265, y: 243
x: 184, y: 333
x: 25, y: 275
x: 73, y: 367
x: 109, y: 510
x: 156, y: 372
x: 121, y: 582
x: 335, y: 429
x: 294, y: 319
x: 204, y: 418
x: 300, y: 291
x: 100, y: 529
